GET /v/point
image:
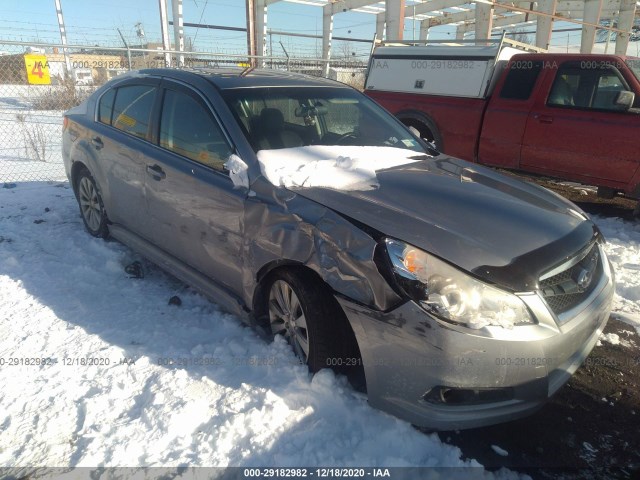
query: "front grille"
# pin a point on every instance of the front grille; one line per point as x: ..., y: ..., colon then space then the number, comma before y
x: 570, y: 287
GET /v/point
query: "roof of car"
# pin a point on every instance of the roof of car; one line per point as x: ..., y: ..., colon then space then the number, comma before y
x: 227, y: 78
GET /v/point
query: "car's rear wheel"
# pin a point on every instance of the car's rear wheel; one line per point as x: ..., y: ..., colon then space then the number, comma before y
x: 92, y: 208
x: 302, y: 310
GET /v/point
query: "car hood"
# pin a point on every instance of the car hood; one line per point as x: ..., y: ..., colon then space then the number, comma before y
x: 502, y: 230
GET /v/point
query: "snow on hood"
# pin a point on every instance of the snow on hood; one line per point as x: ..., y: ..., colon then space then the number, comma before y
x: 338, y: 167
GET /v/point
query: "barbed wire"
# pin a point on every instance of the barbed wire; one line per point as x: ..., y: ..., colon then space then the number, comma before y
x: 31, y: 115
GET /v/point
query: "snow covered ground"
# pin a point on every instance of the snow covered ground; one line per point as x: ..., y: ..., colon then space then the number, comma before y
x: 30, y: 141
x: 97, y: 369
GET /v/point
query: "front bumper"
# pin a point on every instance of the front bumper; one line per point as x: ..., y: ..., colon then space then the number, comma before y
x: 409, y: 358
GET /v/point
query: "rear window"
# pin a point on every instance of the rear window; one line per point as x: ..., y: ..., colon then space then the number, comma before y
x: 132, y: 109
x: 634, y: 65
x: 521, y: 79
x: 105, y: 108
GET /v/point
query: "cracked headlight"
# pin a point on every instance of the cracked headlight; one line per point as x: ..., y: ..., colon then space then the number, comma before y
x: 450, y: 294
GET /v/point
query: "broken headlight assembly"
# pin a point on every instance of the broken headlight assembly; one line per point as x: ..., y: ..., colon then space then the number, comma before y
x: 450, y: 294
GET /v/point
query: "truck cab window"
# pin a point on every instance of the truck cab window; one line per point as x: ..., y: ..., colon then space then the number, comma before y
x: 520, y: 80
x: 563, y: 91
x: 591, y: 88
x: 609, y: 85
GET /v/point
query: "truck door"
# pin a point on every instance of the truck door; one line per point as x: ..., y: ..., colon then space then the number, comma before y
x: 577, y: 132
x: 506, y: 116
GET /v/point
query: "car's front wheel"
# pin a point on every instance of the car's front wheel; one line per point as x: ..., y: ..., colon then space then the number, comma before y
x: 92, y: 208
x: 302, y: 310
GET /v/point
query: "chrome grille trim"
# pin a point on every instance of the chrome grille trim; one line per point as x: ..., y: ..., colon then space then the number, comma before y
x: 561, y: 291
x: 569, y: 263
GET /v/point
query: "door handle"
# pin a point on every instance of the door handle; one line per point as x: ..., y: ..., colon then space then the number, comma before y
x: 156, y: 172
x: 543, y: 118
x: 97, y: 143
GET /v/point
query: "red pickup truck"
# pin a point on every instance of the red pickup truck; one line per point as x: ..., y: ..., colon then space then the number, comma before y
x: 569, y: 116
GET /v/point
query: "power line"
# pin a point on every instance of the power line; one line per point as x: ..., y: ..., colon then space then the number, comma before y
x: 200, y: 21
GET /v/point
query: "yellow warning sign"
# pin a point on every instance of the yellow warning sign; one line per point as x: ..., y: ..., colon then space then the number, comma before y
x: 37, y: 69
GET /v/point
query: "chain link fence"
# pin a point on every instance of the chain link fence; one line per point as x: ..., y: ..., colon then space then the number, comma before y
x: 39, y: 82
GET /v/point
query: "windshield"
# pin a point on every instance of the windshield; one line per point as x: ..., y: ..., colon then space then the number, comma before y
x: 634, y: 65
x: 286, y: 117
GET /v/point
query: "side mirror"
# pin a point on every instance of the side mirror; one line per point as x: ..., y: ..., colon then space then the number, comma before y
x: 625, y: 99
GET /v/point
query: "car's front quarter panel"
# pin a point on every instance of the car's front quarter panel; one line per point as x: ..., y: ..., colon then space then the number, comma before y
x: 281, y: 226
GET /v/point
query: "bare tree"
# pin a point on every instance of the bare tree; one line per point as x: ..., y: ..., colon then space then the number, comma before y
x: 520, y: 35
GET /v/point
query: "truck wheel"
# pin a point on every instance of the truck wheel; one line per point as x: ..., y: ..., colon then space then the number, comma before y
x: 425, y: 128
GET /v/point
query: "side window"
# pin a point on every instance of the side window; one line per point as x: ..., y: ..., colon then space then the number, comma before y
x: 188, y: 129
x: 520, y: 80
x: 609, y: 85
x: 593, y: 88
x: 132, y: 109
x: 564, y: 91
x: 105, y: 108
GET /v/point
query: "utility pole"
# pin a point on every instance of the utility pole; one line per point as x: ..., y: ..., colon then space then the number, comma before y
x: 126, y: 46
x: 164, y: 27
x: 178, y: 29
x: 63, y: 36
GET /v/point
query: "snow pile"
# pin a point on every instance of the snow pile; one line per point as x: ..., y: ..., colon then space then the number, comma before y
x: 623, y: 250
x: 105, y: 372
x: 632, y: 319
x: 237, y: 171
x: 500, y: 451
x: 614, y: 339
x: 338, y: 167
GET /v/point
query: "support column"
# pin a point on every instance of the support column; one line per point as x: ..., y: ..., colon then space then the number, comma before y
x: 261, y: 30
x: 592, y: 9
x: 164, y: 27
x: 545, y: 24
x: 327, y: 33
x: 178, y: 29
x: 460, y: 33
x: 251, y: 31
x: 424, y: 30
x: 380, y: 26
x: 484, y: 21
x: 394, y: 10
x: 625, y: 23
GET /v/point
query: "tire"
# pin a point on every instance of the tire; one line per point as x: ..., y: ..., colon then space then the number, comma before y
x: 91, y: 206
x: 427, y: 129
x: 301, y: 308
